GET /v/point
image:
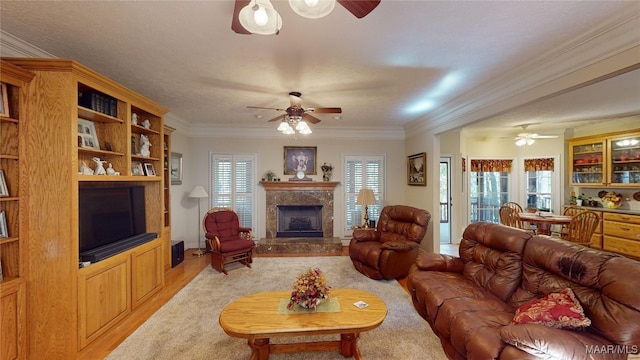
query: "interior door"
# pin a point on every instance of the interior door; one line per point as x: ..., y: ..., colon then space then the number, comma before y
x: 445, y: 200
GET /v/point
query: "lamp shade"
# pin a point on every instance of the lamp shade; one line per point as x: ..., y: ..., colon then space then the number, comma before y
x: 198, y: 192
x: 259, y: 17
x: 366, y: 197
x: 312, y: 9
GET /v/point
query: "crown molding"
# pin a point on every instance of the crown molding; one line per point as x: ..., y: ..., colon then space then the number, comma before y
x: 617, y: 36
x: 11, y: 46
x: 270, y: 132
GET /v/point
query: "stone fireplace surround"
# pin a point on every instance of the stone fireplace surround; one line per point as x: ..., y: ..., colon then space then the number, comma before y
x: 299, y: 193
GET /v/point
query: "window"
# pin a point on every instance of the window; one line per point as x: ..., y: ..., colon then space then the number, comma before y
x: 489, y: 188
x: 540, y: 180
x: 362, y: 172
x: 233, y: 185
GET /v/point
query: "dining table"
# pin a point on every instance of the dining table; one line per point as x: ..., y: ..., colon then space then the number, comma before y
x: 543, y: 221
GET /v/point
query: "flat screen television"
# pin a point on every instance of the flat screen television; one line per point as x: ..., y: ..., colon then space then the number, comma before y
x: 109, y: 219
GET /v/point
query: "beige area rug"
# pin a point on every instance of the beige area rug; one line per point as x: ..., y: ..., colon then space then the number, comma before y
x: 187, y: 326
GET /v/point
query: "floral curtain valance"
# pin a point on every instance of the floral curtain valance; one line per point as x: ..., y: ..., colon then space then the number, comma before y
x: 491, y: 165
x: 539, y: 164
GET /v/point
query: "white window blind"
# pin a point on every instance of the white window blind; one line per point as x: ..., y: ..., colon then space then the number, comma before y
x: 233, y: 184
x: 362, y: 172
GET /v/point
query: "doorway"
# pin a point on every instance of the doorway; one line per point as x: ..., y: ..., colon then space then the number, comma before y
x: 445, y: 200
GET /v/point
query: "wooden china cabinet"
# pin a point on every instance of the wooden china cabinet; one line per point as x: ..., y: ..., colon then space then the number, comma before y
x: 606, y: 160
x: 69, y: 307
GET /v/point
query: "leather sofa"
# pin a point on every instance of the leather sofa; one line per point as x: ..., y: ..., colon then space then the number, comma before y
x: 388, y: 251
x: 469, y: 301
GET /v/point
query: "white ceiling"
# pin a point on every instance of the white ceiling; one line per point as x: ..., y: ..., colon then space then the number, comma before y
x: 405, y: 63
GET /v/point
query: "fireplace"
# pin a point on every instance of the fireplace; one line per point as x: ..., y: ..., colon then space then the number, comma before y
x: 307, y: 223
x: 299, y: 221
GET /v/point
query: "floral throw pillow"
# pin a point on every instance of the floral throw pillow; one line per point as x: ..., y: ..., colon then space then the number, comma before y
x: 559, y: 310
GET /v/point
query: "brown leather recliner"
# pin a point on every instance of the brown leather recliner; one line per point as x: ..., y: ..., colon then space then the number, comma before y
x: 389, y: 251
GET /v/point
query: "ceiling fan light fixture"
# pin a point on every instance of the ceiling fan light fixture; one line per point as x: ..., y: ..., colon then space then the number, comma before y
x: 312, y: 9
x: 283, y: 126
x: 521, y: 142
x: 530, y: 141
x: 260, y: 18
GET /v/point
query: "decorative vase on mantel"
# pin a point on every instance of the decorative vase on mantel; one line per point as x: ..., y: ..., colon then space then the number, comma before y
x: 327, y: 171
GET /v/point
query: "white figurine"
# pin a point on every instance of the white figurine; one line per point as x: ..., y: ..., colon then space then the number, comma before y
x: 134, y: 119
x: 85, y: 170
x: 146, y: 124
x: 145, y: 144
x: 99, y: 166
x: 110, y: 170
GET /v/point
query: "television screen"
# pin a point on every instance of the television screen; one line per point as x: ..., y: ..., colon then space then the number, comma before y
x: 110, y: 214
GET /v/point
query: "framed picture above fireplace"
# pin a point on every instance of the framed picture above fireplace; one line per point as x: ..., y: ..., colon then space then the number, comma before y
x: 300, y: 158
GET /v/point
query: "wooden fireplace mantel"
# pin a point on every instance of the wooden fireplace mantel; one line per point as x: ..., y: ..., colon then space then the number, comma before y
x: 299, y: 185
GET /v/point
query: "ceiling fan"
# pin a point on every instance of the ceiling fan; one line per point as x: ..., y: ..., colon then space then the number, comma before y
x: 295, y: 110
x: 296, y: 117
x: 526, y: 138
x: 359, y: 9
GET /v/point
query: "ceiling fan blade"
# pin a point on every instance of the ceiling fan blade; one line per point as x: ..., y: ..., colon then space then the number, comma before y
x: 264, y: 108
x: 359, y: 8
x: 277, y: 118
x: 235, y: 21
x: 330, y: 110
x: 536, y: 136
x: 310, y: 119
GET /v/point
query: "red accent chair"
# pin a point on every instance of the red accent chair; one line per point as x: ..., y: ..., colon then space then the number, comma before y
x: 229, y: 242
x: 389, y: 251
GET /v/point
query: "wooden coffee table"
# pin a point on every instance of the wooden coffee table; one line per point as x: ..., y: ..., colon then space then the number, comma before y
x: 255, y: 317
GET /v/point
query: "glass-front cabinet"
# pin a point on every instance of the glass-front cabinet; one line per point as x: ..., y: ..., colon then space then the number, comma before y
x: 587, y: 162
x: 625, y: 161
x: 608, y: 160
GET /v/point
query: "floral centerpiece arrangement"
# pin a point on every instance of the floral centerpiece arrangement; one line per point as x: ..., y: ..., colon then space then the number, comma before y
x: 309, y: 290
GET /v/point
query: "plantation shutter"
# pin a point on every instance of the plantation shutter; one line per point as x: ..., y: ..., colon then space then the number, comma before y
x: 233, y: 185
x: 362, y: 172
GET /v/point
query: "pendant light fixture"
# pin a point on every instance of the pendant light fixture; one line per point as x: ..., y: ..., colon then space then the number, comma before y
x: 259, y: 17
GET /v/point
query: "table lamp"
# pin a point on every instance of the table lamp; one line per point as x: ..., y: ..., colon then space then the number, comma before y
x: 366, y: 198
x: 198, y: 192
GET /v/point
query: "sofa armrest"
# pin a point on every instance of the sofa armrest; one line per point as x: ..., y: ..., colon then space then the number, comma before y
x: 547, y: 342
x: 399, y: 246
x: 365, y: 235
x: 439, y: 262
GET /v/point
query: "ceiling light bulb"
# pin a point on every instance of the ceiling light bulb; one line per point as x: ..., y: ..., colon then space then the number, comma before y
x: 530, y: 141
x: 521, y: 142
x: 312, y: 9
x: 260, y: 15
x: 283, y: 126
x: 306, y: 131
x: 289, y: 131
x: 301, y: 125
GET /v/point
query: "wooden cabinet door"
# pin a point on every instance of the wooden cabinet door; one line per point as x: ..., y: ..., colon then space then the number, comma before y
x: 103, y: 296
x: 12, y: 331
x: 587, y: 162
x: 147, y: 271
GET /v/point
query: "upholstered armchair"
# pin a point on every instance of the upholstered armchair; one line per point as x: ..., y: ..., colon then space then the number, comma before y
x: 229, y: 243
x: 389, y: 250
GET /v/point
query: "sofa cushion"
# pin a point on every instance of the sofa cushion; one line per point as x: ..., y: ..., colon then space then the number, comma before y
x: 559, y: 310
x: 550, y: 343
x: 492, y: 257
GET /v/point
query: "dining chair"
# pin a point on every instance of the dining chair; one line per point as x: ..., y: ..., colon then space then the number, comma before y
x: 562, y: 230
x: 509, y: 217
x: 581, y: 227
x: 514, y: 205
